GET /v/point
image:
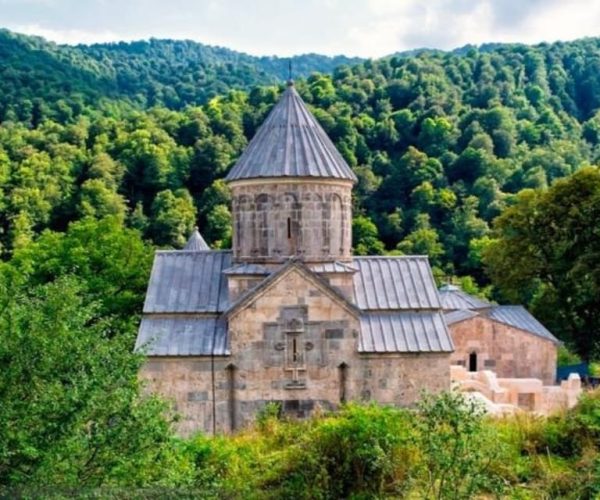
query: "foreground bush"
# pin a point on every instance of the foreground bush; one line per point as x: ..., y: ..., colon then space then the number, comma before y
x: 447, y: 448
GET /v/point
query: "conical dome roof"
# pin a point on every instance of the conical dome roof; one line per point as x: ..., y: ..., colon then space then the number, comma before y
x: 291, y: 143
x: 196, y: 242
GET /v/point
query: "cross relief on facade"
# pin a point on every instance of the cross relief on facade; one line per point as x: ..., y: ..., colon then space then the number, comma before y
x: 295, y: 348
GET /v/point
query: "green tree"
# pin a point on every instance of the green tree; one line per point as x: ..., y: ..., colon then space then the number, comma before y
x: 423, y: 240
x: 173, y: 217
x: 71, y: 410
x: 546, y: 254
x: 365, y: 237
x: 112, y: 263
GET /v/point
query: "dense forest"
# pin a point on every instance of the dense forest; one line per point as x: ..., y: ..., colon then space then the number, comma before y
x: 44, y: 80
x: 482, y: 159
x: 441, y: 142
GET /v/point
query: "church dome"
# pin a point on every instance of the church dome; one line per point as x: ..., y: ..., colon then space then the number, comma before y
x: 291, y: 143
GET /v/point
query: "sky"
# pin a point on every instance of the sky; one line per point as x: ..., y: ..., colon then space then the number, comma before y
x: 366, y: 28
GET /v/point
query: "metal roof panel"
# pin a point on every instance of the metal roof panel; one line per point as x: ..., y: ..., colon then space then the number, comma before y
x: 175, y: 335
x: 519, y: 317
x: 402, y: 332
x: 394, y: 283
x: 453, y: 298
x: 188, y: 281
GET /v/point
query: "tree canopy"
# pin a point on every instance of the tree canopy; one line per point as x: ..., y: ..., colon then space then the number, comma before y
x: 546, y: 253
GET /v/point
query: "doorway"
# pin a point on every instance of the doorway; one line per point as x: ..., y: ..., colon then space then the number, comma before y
x: 473, y: 362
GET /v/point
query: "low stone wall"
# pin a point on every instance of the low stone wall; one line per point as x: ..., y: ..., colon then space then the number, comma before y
x: 509, y: 395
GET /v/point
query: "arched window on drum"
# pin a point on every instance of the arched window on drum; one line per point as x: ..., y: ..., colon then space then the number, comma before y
x: 336, y: 224
x: 264, y: 231
x: 287, y: 224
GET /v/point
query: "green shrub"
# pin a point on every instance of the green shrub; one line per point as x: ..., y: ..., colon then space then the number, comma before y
x: 567, y: 357
x: 447, y: 448
x: 267, y: 414
x: 363, y: 451
x: 457, y: 446
x: 587, y: 416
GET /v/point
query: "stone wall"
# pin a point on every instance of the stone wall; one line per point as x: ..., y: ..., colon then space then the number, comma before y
x: 502, y: 396
x: 508, y: 351
x: 399, y: 379
x: 296, y: 344
x: 288, y: 345
x: 187, y: 383
x: 301, y: 217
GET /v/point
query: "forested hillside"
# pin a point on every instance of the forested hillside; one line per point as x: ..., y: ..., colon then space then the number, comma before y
x: 441, y: 142
x: 478, y: 158
x: 39, y: 79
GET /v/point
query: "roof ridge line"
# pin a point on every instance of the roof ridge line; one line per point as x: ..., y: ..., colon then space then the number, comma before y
x: 183, y: 251
x: 390, y: 257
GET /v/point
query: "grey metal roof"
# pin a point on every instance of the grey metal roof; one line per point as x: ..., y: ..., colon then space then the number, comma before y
x: 383, y: 332
x: 188, y: 281
x: 459, y: 315
x: 519, y: 317
x: 182, y: 336
x: 196, y: 242
x: 388, y: 283
x: 453, y: 298
x: 290, y: 143
x: 333, y: 267
x: 241, y: 269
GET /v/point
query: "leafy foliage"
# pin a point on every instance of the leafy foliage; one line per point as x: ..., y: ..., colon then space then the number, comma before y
x: 70, y: 410
x: 457, y: 447
x: 547, y: 254
x: 446, y: 449
x: 42, y: 80
x: 441, y: 144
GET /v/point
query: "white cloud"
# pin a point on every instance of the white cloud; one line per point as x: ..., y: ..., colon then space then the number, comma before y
x: 566, y: 21
x: 368, y: 28
x: 71, y: 36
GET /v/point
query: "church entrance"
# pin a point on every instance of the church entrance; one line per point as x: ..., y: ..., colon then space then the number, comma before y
x: 473, y: 362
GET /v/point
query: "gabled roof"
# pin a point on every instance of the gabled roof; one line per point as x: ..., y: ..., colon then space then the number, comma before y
x: 453, y: 298
x: 182, y: 335
x: 403, y: 332
x: 188, y: 282
x: 458, y: 315
x: 274, y: 278
x: 291, y: 143
x: 519, y: 317
x: 196, y: 242
x: 514, y: 316
x: 392, y: 283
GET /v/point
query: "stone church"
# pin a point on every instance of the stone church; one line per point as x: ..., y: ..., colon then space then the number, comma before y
x: 507, y: 340
x: 289, y: 315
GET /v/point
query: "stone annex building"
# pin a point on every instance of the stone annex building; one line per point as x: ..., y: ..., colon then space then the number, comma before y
x: 290, y: 315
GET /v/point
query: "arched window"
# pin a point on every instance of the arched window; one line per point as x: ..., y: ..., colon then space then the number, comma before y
x: 343, y: 371
x: 264, y: 208
x: 286, y: 217
x: 473, y: 362
x: 336, y: 231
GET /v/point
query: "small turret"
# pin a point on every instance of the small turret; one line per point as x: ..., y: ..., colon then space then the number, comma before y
x: 196, y: 242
